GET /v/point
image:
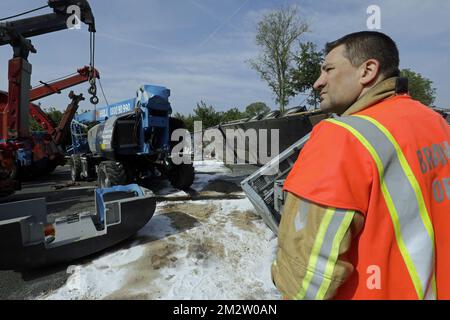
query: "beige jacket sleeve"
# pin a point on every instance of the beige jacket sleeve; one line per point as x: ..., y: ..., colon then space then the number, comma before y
x: 313, y: 242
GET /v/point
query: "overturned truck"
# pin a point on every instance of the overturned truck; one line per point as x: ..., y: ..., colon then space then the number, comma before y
x: 257, y: 140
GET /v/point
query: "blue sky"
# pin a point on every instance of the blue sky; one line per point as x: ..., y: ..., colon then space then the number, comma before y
x: 199, y: 48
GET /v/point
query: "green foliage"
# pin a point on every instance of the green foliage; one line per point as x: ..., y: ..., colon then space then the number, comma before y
x: 308, y: 64
x: 33, y: 125
x: 420, y: 88
x: 233, y: 114
x: 256, y: 108
x: 277, y: 32
x: 54, y: 115
x: 209, y: 116
x: 188, y: 120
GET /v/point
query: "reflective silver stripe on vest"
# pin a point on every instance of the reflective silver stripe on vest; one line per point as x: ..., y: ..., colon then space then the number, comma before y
x: 419, y: 245
x: 321, y: 264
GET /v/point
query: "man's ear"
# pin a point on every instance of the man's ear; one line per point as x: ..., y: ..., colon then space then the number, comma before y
x: 370, y: 70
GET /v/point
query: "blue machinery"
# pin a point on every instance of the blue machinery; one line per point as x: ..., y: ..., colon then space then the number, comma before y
x: 130, y: 142
x: 153, y: 109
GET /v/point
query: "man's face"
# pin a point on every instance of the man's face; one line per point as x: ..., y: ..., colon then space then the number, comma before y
x: 339, y: 82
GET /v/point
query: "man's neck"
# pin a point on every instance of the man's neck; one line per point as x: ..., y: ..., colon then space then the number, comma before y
x: 365, y: 90
x: 371, y: 95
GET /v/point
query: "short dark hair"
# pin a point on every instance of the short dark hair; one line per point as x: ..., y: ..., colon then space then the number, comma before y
x: 365, y: 45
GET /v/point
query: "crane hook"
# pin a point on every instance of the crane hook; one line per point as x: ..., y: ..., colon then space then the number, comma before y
x: 94, y: 100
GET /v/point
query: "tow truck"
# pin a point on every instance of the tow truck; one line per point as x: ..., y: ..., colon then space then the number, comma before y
x: 34, y: 233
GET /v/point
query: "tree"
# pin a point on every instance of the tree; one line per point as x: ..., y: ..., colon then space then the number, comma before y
x: 55, y: 115
x: 276, y: 34
x: 309, y: 61
x: 420, y: 88
x: 232, y: 114
x: 33, y: 125
x: 207, y: 115
x: 187, y: 120
x: 256, y: 108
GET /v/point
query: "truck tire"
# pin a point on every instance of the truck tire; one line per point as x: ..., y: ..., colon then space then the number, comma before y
x: 15, y: 171
x: 181, y: 176
x: 51, y: 166
x: 174, y: 124
x: 111, y: 173
x: 75, y: 167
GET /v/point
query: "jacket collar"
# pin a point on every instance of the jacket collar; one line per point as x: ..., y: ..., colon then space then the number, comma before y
x: 381, y: 91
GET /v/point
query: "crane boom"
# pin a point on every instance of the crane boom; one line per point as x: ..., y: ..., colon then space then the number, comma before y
x: 14, y: 122
x: 46, y: 89
x: 14, y: 110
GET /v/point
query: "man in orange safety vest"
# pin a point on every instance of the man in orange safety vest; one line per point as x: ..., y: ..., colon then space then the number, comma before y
x: 367, y: 213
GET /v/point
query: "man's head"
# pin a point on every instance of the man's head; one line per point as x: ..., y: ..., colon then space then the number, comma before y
x: 353, y: 65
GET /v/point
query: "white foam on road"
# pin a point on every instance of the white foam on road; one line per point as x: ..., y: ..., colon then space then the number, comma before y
x: 205, y: 172
x: 97, y: 279
x: 241, y: 271
x: 211, y: 166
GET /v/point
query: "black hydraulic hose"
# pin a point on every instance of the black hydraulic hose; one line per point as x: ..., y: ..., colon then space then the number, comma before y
x: 23, y: 13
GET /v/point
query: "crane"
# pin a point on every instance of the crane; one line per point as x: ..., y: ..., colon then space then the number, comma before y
x: 14, y: 107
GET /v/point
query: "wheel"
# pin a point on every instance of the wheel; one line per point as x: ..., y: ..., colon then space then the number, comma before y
x: 111, y: 173
x: 174, y: 124
x: 75, y: 167
x: 15, y: 171
x: 181, y: 176
x: 7, y: 184
x: 51, y: 166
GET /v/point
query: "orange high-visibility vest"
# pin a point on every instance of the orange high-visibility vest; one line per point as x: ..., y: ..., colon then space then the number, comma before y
x: 391, y: 163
